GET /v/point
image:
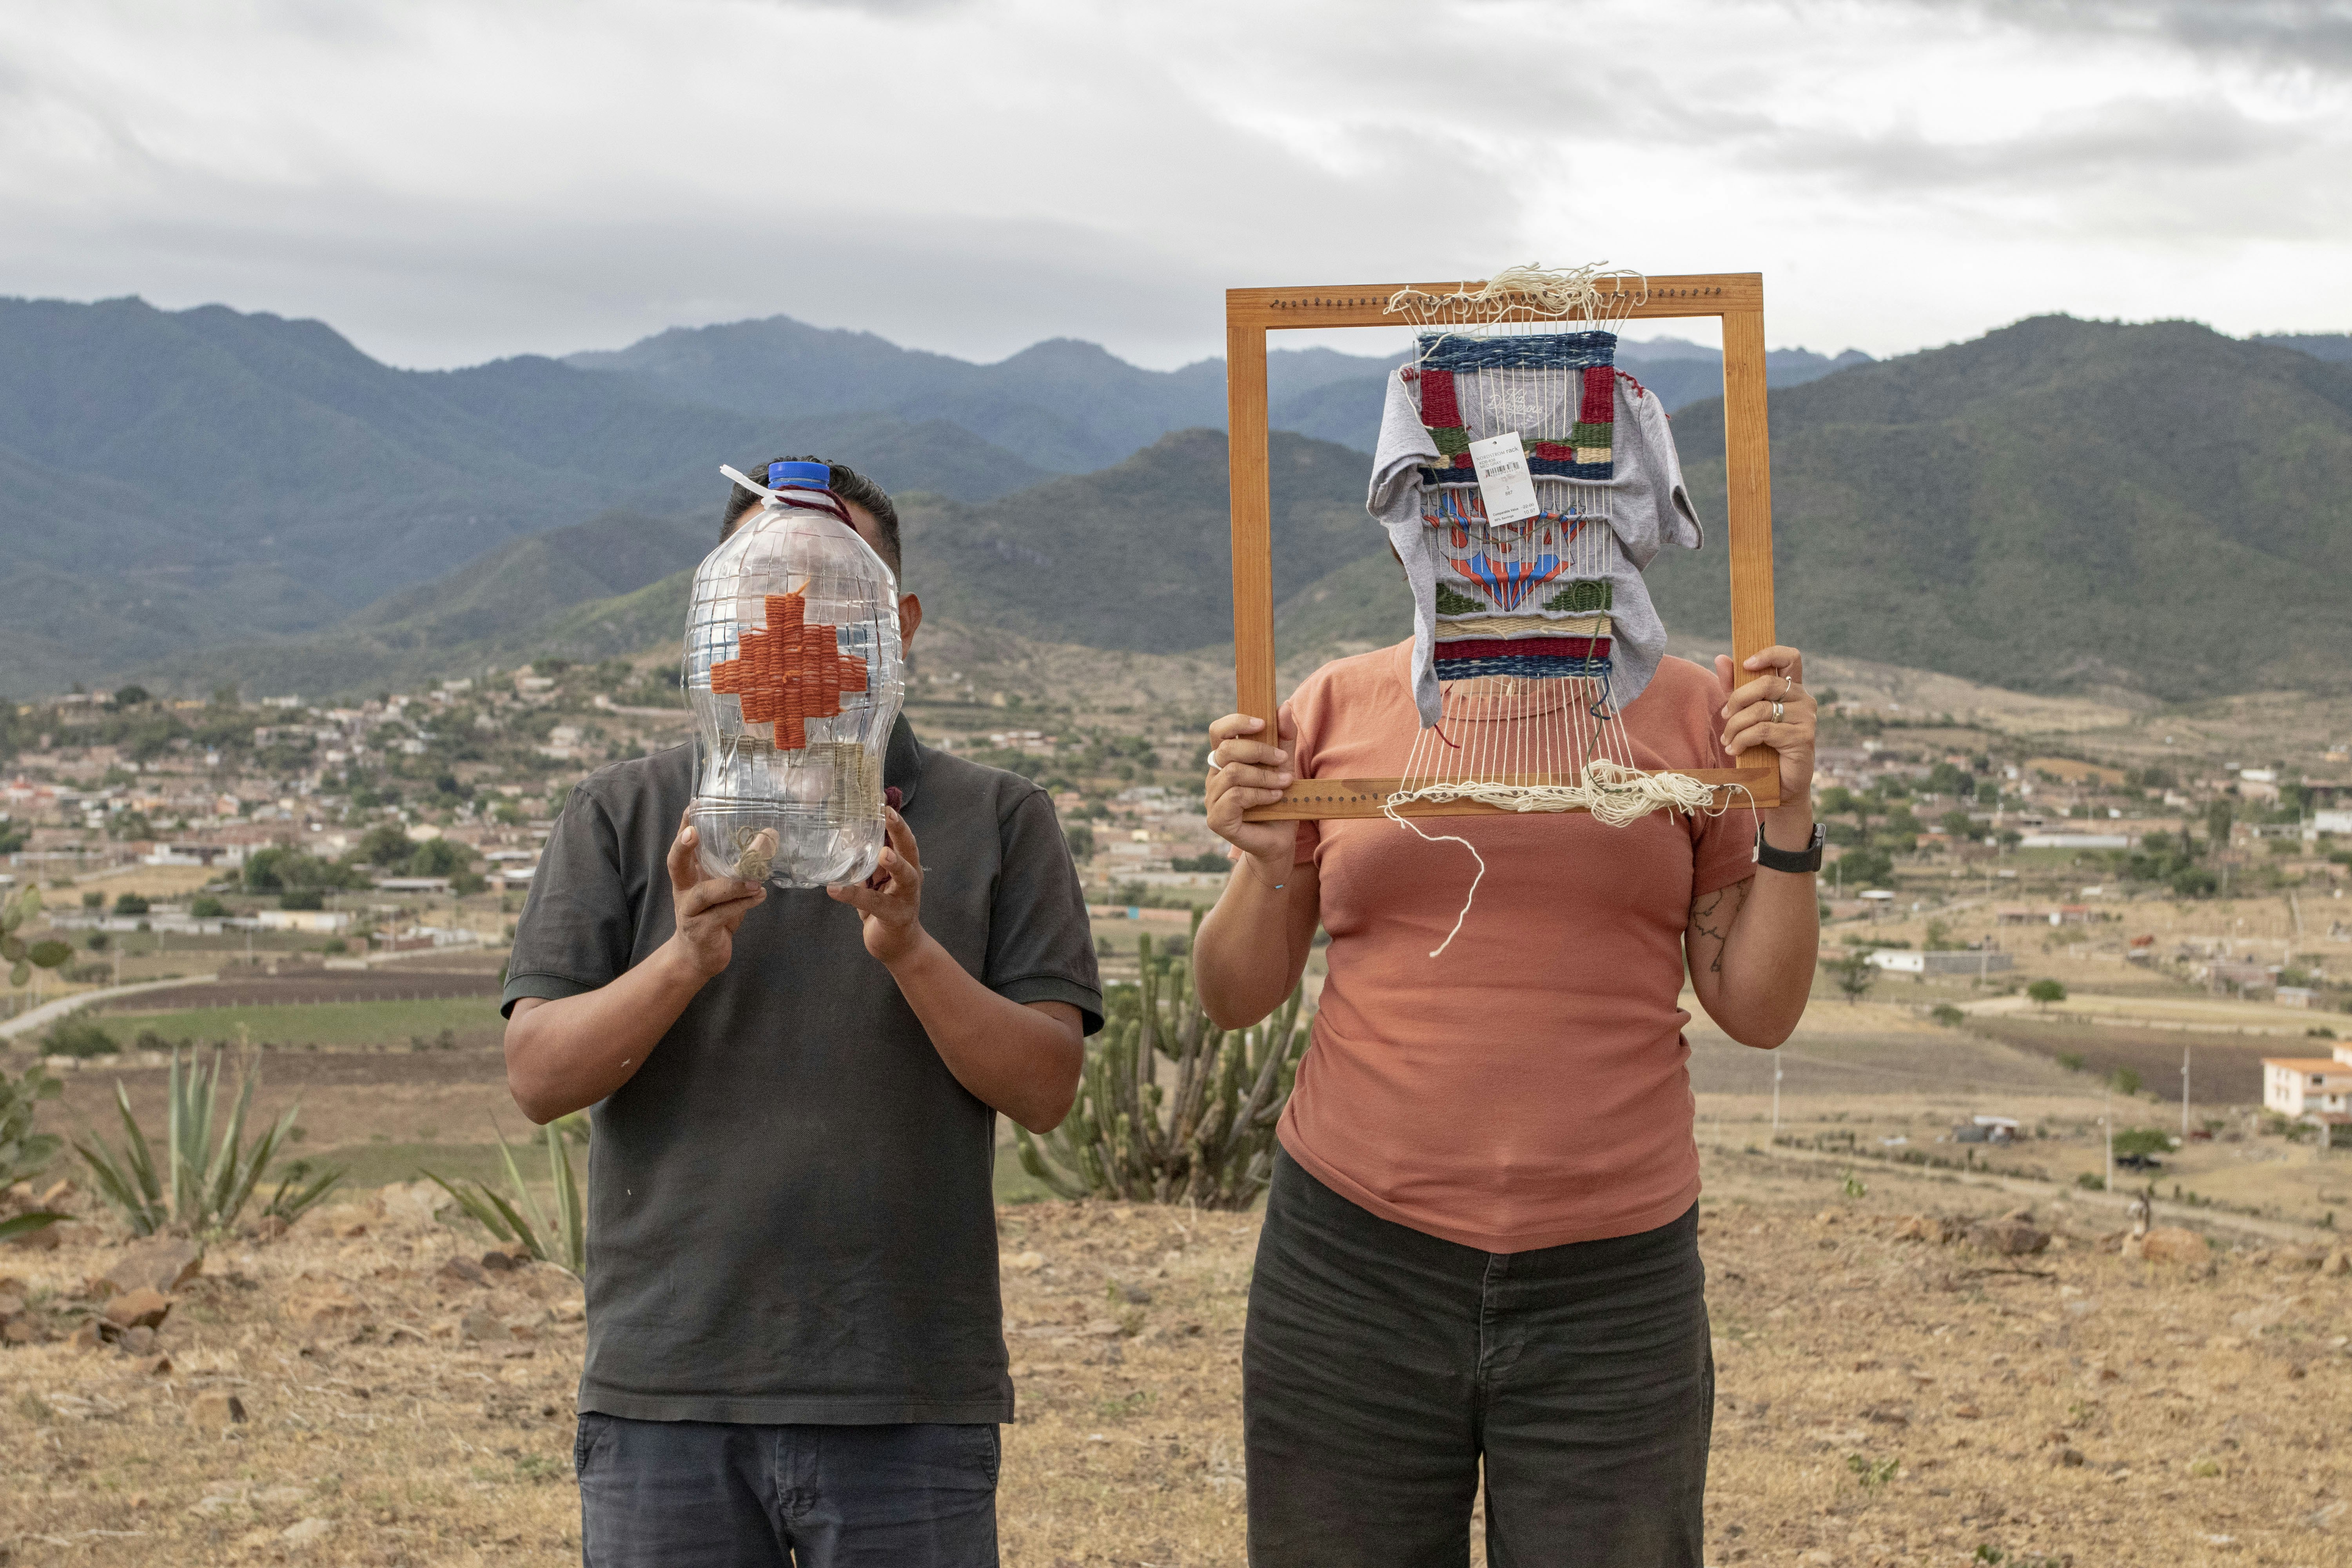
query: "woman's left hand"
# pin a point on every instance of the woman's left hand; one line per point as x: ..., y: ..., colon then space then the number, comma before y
x: 1772, y: 709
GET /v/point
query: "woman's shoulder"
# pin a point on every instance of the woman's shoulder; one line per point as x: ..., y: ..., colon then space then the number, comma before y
x: 1679, y: 713
x: 1681, y: 684
x: 1357, y: 675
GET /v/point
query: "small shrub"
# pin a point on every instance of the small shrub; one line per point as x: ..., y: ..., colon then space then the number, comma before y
x: 81, y: 1036
x: 1872, y: 1473
x: 2126, y: 1081
x: 2043, y: 993
x: 302, y: 899
x: 207, y: 908
x: 1948, y: 1015
x: 2070, y: 1060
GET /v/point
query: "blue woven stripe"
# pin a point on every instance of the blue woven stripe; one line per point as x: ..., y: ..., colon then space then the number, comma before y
x: 1525, y: 667
x: 1540, y: 468
x: 1537, y: 351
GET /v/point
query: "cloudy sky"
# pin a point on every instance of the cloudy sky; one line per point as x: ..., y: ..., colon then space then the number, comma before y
x: 447, y: 180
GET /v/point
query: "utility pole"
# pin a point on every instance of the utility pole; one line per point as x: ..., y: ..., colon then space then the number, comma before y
x: 2107, y: 1126
x: 2184, y: 1094
x: 1776, y: 1098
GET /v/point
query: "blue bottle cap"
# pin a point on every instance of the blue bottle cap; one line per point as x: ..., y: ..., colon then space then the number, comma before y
x: 782, y: 474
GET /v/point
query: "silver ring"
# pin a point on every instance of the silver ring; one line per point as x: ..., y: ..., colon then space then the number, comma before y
x: 1776, y: 713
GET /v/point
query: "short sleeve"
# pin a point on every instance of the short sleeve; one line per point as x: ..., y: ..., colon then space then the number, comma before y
x: 1040, y: 943
x: 575, y: 933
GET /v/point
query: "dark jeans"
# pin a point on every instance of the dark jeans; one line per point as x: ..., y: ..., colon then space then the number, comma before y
x: 702, y: 1494
x: 1382, y: 1365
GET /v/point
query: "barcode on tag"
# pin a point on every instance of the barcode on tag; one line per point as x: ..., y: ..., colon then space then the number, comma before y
x: 1504, y: 482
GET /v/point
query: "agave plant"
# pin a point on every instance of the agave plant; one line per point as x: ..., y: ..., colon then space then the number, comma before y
x: 204, y: 1181
x: 564, y: 1243
x: 1205, y: 1138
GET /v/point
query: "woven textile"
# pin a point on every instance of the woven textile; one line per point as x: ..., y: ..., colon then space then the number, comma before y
x: 1603, y: 459
x: 790, y: 672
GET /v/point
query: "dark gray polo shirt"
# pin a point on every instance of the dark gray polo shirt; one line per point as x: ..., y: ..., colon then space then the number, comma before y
x: 791, y: 1209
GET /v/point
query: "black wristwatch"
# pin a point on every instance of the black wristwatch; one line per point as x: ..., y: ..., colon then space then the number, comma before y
x: 1809, y: 858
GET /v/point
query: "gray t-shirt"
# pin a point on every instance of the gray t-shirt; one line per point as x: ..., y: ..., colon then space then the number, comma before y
x: 791, y: 1211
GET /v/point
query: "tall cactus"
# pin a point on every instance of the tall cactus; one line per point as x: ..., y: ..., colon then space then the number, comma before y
x: 1207, y: 1137
x: 18, y: 956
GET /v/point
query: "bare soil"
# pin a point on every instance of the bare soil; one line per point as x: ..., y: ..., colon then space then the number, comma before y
x: 2222, y: 1067
x: 1884, y: 1398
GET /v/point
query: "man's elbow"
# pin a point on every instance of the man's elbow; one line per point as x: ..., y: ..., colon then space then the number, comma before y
x: 1051, y: 1106
x: 527, y: 1084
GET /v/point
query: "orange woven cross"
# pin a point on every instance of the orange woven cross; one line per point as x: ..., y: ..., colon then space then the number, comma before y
x: 789, y: 673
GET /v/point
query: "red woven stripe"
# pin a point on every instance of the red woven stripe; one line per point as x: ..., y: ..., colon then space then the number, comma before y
x: 1556, y: 647
x: 1439, y: 411
x: 1600, y: 406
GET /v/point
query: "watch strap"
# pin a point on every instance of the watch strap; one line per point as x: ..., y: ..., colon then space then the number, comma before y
x: 1796, y: 861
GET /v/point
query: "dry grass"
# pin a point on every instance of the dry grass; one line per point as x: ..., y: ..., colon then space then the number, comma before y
x: 2206, y: 1407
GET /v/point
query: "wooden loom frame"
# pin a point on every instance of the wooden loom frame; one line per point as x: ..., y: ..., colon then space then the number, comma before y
x: 1736, y: 298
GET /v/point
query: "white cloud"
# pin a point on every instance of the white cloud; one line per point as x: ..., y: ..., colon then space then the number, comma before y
x: 447, y: 181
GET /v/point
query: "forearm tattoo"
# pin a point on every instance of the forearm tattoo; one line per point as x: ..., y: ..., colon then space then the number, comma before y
x: 1712, y: 918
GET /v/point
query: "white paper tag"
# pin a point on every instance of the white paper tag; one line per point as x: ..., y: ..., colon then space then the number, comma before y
x: 1504, y: 482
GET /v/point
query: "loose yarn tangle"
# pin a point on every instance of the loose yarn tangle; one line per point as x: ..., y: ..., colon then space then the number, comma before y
x: 1614, y: 793
x: 1531, y: 292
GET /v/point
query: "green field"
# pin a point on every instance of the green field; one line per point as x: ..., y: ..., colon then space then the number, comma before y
x: 475, y: 1021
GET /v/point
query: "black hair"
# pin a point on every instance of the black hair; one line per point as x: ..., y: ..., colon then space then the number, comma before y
x: 845, y: 482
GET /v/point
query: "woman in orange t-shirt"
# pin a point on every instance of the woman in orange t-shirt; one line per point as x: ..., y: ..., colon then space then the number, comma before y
x: 1480, y: 1248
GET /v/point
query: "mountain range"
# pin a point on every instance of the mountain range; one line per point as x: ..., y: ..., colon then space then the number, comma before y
x: 205, y: 495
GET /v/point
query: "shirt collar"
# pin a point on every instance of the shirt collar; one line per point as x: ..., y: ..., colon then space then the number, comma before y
x: 902, y: 763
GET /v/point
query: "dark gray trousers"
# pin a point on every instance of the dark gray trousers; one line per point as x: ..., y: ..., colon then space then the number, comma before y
x: 706, y: 1494
x: 1382, y: 1367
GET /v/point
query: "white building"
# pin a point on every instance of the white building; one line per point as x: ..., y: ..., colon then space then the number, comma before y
x: 2295, y: 1086
x: 1896, y: 960
x: 317, y: 922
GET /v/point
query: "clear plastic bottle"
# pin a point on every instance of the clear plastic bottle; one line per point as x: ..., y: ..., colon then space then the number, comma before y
x: 793, y: 665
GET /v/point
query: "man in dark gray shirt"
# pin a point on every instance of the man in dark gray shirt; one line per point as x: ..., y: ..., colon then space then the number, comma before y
x: 795, y: 1343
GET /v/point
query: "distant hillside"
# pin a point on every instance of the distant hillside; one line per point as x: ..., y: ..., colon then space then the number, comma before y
x: 520, y: 601
x: 2335, y: 346
x: 2057, y: 504
x: 1135, y: 557
x: 174, y: 480
x: 1063, y: 404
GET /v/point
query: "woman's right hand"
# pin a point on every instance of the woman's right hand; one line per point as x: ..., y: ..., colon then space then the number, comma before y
x: 1244, y: 772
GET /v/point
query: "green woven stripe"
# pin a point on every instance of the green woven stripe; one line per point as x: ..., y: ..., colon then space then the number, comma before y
x: 1450, y: 603
x: 1450, y: 442
x: 1584, y: 599
x: 1591, y: 435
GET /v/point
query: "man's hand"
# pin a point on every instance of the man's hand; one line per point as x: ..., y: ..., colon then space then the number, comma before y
x: 708, y: 909
x: 889, y: 903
